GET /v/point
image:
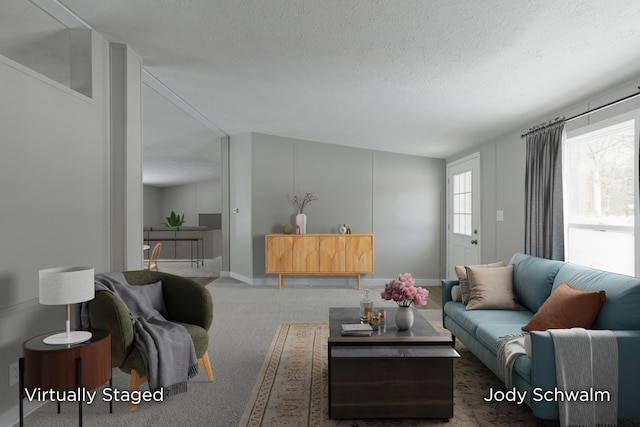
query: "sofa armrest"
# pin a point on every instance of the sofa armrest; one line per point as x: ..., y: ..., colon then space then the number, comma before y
x: 543, y: 369
x: 106, y: 311
x: 447, y: 284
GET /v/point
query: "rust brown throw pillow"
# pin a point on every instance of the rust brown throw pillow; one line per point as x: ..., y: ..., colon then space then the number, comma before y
x: 567, y: 308
x: 461, y: 272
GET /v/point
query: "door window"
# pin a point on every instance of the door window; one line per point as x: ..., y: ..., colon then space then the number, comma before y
x: 462, y: 203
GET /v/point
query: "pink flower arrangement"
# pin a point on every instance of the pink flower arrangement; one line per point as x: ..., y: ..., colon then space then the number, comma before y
x: 403, y: 291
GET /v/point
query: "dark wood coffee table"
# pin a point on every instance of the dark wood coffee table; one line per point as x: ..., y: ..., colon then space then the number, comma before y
x: 391, y: 374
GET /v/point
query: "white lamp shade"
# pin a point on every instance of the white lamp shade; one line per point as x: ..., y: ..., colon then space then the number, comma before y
x: 66, y: 285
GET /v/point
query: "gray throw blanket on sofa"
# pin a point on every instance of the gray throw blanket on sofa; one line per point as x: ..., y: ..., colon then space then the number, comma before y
x: 166, y: 347
x: 508, y: 349
x: 587, y: 360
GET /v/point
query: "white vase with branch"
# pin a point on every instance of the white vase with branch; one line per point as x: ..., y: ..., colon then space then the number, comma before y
x: 300, y: 203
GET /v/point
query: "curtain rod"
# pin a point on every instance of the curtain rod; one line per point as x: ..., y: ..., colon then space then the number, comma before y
x: 586, y: 113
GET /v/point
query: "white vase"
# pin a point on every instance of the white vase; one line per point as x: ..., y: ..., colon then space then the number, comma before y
x: 404, y: 318
x: 301, y: 221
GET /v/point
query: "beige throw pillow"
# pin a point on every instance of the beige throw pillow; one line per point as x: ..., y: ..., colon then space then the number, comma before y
x: 491, y: 288
x: 461, y: 272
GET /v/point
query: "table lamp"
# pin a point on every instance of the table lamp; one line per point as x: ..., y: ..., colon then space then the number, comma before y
x: 66, y: 286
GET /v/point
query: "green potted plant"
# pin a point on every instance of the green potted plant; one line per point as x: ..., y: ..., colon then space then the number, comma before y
x: 174, y: 220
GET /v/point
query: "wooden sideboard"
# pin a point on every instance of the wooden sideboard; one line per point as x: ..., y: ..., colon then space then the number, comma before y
x: 318, y: 254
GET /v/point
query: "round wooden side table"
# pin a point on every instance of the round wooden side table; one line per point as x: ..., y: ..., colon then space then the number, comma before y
x: 66, y: 367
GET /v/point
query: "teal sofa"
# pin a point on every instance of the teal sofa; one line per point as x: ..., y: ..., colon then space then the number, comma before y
x: 533, y: 280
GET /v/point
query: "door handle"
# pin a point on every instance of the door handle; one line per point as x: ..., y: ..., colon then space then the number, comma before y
x: 474, y: 242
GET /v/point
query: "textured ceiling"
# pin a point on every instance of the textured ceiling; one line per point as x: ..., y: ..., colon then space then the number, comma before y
x: 428, y: 78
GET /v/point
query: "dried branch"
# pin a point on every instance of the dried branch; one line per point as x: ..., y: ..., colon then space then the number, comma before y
x: 301, y: 202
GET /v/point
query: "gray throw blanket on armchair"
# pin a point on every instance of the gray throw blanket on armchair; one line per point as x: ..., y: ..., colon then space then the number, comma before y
x: 166, y: 347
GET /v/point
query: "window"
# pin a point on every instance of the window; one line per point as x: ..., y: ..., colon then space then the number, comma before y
x: 32, y: 37
x: 462, y: 208
x: 599, y: 196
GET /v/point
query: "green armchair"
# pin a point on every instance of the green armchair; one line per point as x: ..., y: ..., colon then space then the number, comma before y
x: 187, y: 302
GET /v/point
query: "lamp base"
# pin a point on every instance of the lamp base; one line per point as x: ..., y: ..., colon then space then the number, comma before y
x: 72, y: 337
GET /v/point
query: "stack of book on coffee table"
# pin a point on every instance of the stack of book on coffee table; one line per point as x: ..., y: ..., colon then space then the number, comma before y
x: 357, y: 329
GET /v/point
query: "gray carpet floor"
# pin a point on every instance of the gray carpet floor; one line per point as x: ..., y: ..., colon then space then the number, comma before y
x: 211, y: 267
x: 245, y: 320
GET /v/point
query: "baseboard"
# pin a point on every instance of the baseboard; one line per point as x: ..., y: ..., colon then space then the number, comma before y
x: 379, y: 283
x: 321, y: 281
x: 241, y: 278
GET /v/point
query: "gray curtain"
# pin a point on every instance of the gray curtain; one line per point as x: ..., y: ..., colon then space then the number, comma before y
x: 544, y: 222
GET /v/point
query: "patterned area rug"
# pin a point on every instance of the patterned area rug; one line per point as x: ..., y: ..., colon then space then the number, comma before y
x: 291, y: 389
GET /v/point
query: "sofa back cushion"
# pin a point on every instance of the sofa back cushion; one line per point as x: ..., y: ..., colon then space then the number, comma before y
x: 533, y: 279
x: 621, y: 311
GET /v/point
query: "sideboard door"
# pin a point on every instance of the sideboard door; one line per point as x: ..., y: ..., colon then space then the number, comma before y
x: 332, y: 255
x: 359, y: 253
x: 306, y: 258
x: 279, y: 253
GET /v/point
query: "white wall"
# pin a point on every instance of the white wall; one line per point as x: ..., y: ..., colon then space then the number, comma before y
x: 240, y: 229
x: 503, y: 171
x: 152, y: 206
x: 396, y: 197
x: 408, y: 215
x: 191, y: 199
x: 125, y: 157
x: 54, y: 197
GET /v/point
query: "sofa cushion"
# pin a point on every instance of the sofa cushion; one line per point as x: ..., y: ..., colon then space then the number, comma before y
x: 491, y: 288
x: 461, y: 272
x: 470, y: 319
x: 623, y: 293
x: 489, y: 331
x: 533, y: 279
x: 567, y: 308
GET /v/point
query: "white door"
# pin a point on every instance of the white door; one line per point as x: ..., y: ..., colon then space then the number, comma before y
x: 463, y: 213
